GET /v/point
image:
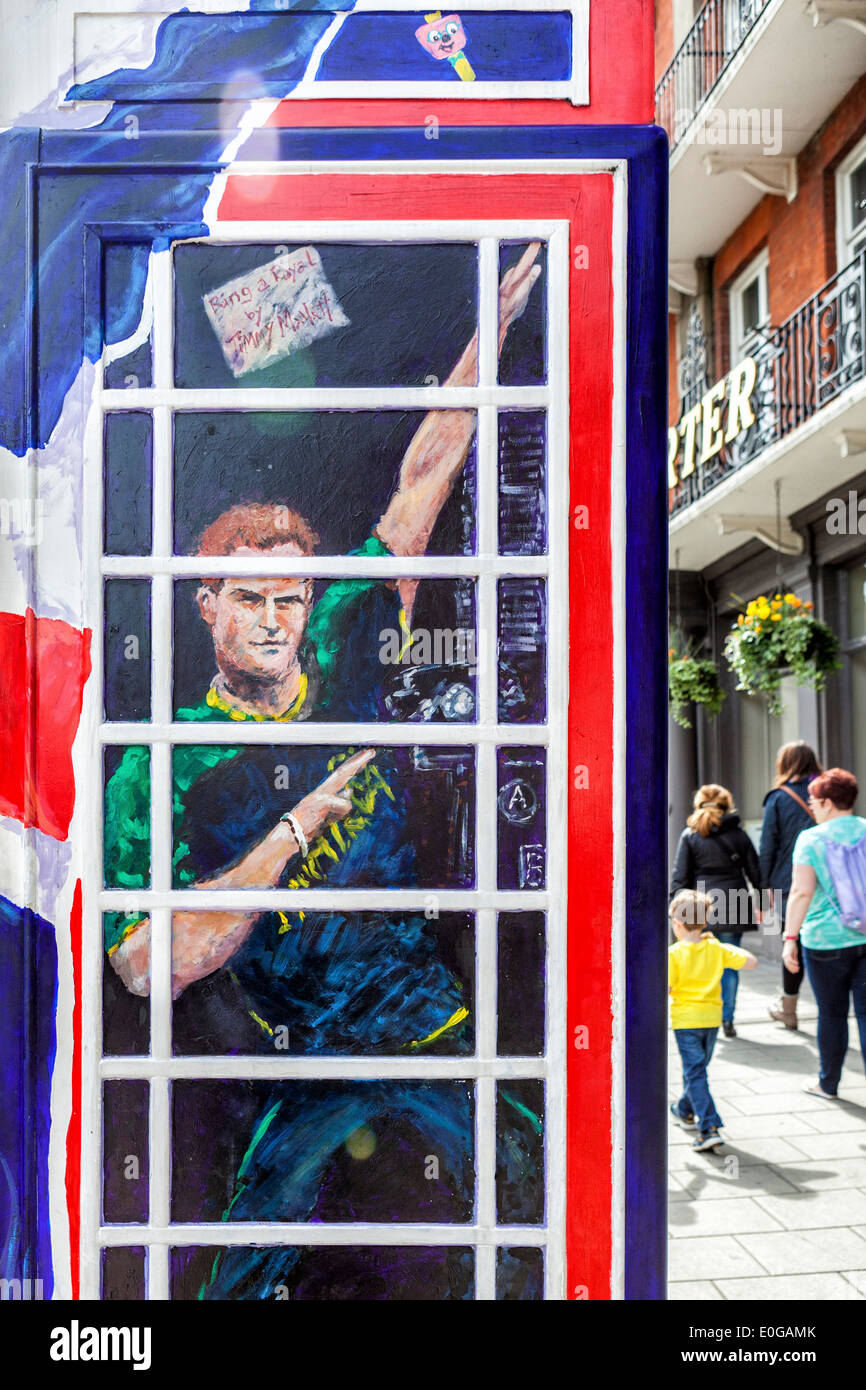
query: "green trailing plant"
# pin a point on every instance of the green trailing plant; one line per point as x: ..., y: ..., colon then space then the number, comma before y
x: 776, y: 636
x: 692, y: 680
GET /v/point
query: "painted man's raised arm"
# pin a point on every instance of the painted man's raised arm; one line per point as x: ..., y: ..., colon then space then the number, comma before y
x: 437, y: 453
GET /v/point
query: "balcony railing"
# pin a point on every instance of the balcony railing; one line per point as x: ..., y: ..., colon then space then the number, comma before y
x: 714, y: 38
x: 803, y: 365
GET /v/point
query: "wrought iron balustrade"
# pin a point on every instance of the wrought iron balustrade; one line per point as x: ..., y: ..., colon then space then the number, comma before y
x: 802, y: 366
x: 714, y: 38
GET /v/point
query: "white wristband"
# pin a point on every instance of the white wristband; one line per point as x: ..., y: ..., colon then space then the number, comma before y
x: 298, y: 833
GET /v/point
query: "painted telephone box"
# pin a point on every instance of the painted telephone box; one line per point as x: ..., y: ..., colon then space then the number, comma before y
x: 333, y: 652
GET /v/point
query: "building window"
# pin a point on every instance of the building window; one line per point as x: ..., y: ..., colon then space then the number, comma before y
x: 749, y: 307
x: 851, y: 206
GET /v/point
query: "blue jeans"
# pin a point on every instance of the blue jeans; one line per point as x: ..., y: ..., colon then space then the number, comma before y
x: 730, y: 978
x: 838, y: 978
x: 696, y: 1048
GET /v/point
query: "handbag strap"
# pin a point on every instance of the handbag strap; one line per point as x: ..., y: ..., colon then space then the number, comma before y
x: 733, y: 856
x: 799, y: 800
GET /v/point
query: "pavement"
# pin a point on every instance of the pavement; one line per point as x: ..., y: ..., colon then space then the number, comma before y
x: 780, y: 1211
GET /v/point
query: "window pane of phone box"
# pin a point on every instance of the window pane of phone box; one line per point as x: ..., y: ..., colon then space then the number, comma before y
x: 125, y: 1016
x: 126, y: 831
x: 341, y: 650
x: 128, y: 482
x: 329, y: 314
x: 125, y: 1145
x: 123, y: 1273
x: 406, y: 820
x: 521, y: 804
x: 126, y: 670
x: 520, y: 1273
x: 124, y: 269
x: 521, y: 983
x: 522, y: 482
x: 332, y: 984
x: 323, y: 1151
x: 520, y: 1196
x: 523, y: 360
x: 522, y: 651
x: 318, y: 479
x: 324, y: 1273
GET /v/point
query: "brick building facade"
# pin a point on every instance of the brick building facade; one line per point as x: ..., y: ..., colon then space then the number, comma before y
x: 765, y: 104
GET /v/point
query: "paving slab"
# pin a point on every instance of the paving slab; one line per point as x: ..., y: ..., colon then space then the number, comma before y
x: 805, y: 1252
x: 780, y: 1102
x: 848, y: 1144
x: 741, y: 1215
x: 857, y: 1278
x: 837, y: 1119
x: 714, y: 1257
x: 802, y: 1211
x: 694, y: 1290
x: 792, y: 1287
x: 824, y: 1173
x: 711, y: 1185
x: 743, y: 1127
x: 766, y: 1150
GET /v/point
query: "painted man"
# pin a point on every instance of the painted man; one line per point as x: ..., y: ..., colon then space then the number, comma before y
x: 334, y: 983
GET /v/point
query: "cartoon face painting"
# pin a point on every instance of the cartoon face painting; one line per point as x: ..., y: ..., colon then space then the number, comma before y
x: 443, y: 37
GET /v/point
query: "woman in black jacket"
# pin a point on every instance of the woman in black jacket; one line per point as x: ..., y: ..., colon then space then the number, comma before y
x: 716, y: 856
x: 786, y: 813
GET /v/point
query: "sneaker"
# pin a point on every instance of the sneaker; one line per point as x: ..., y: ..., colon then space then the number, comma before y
x: 710, y: 1139
x: 728, y: 1029
x: 814, y: 1088
x: 684, y: 1121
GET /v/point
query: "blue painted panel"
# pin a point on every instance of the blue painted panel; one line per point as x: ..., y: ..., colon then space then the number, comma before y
x: 28, y: 972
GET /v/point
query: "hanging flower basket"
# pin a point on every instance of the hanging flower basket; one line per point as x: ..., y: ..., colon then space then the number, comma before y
x: 776, y: 636
x: 692, y: 680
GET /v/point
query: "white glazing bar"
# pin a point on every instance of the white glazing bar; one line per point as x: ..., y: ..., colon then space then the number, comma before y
x: 285, y: 1068
x: 366, y: 735
x: 557, y: 760
x: 312, y: 900
x: 376, y: 398
x: 313, y: 1233
x: 322, y: 567
x: 485, y: 792
x: 91, y: 865
x: 160, y: 773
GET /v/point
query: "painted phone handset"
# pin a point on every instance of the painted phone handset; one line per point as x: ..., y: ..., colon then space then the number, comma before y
x: 445, y: 37
x: 429, y: 694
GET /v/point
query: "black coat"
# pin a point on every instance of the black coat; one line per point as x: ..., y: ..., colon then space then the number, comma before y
x: 720, y: 864
x: 783, y: 821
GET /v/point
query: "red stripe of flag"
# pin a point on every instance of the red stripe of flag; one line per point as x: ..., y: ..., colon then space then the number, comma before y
x: 44, y: 663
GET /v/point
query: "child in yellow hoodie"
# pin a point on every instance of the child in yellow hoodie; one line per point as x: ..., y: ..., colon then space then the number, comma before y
x: 695, y: 965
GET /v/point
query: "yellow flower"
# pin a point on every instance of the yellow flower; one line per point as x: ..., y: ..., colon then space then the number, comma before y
x: 810, y: 606
x: 793, y: 600
x: 777, y: 598
x: 776, y: 617
x: 740, y: 620
x: 752, y: 608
